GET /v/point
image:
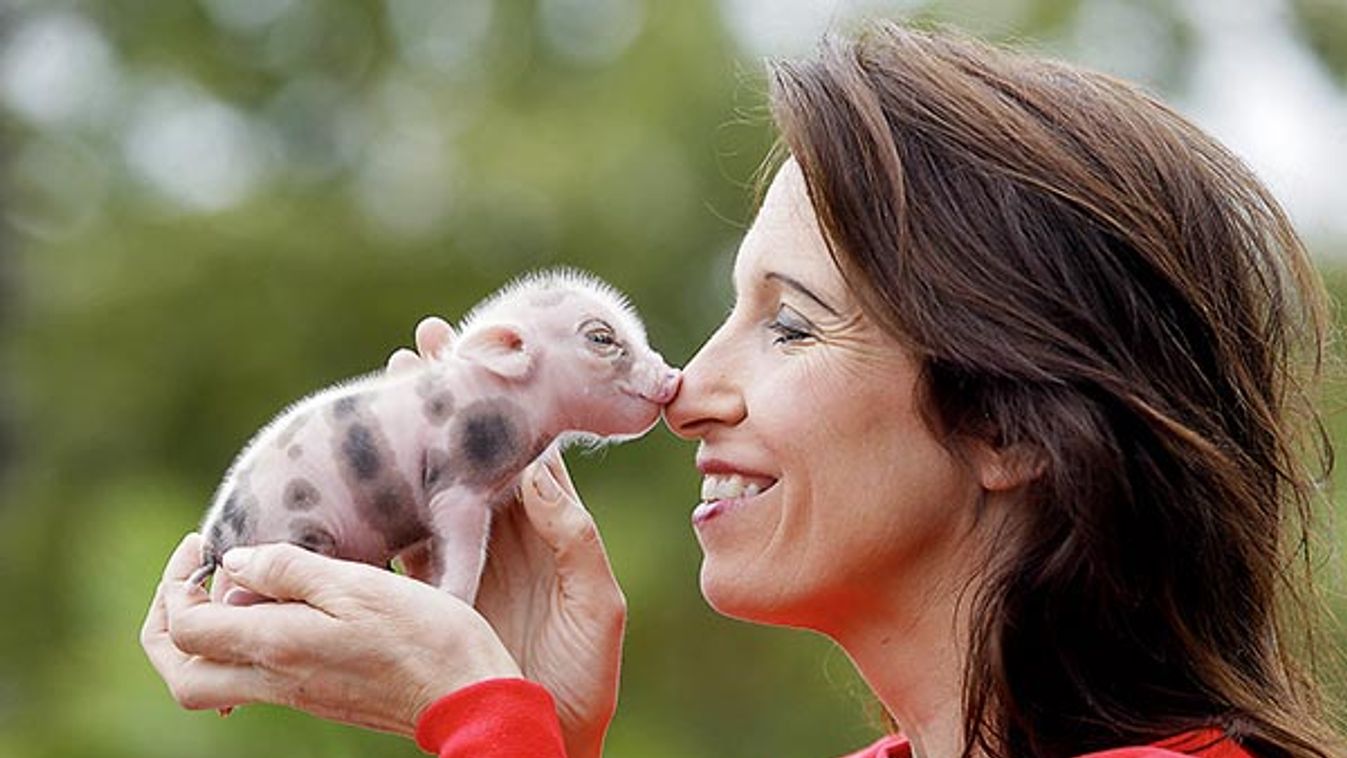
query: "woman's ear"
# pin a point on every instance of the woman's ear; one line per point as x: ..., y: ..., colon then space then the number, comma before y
x: 1006, y: 467
x: 499, y: 348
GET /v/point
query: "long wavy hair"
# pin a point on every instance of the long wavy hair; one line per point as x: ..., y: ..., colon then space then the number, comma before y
x: 1085, y: 274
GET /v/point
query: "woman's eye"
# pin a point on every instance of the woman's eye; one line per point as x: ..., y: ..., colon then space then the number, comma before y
x: 789, y: 327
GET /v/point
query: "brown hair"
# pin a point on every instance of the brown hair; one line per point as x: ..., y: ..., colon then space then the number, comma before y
x: 1084, y: 274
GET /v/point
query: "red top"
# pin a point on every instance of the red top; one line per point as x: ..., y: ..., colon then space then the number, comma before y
x: 1205, y: 743
x: 516, y: 718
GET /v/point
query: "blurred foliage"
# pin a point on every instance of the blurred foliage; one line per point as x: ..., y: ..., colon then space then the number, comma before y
x: 239, y: 201
x: 1324, y: 25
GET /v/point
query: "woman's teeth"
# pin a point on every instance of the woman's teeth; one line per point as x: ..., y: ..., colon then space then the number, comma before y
x: 722, y: 487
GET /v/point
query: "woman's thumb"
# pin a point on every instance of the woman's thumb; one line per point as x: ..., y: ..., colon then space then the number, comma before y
x: 554, y: 509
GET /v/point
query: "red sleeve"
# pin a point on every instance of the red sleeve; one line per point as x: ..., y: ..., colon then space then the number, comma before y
x: 1204, y: 743
x: 891, y: 746
x: 1148, y: 751
x: 496, y: 718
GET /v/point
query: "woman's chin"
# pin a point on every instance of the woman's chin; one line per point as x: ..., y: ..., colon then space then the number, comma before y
x: 734, y: 594
x: 725, y: 592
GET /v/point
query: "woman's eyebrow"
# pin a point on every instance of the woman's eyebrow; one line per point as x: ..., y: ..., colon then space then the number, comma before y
x: 803, y: 290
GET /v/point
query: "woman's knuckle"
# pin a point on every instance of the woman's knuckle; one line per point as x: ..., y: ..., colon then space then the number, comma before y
x: 575, y: 547
x: 283, y: 564
x: 277, y: 657
x: 585, y: 534
x: 184, y: 632
x: 276, y: 651
x: 610, y: 609
x: 286, y: 689
x: 187, y: 696
x: 277, y: 560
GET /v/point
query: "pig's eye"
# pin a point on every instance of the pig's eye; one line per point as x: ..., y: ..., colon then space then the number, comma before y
x: 601, y: 337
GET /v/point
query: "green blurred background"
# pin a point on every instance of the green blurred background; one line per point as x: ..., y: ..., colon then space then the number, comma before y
x: 212, y: 207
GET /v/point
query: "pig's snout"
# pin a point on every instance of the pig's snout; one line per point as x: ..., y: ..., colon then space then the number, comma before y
x: 666, y: 386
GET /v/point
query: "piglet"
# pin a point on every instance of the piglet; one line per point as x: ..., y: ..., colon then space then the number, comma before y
x: 399, y: 464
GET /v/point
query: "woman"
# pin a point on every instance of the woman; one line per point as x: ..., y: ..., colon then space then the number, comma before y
x: 1011, y: 405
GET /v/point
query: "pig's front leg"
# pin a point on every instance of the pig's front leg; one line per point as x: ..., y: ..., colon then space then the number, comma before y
x: 460, y: 520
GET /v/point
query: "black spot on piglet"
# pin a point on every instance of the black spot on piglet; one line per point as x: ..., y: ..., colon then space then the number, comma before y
x: 235, y: 513
x: 346, y: 407
x: 488, y: 439
x: 438, y: 407
x: 313, y: 536
x: 300, y: 495
x: 361, y: 451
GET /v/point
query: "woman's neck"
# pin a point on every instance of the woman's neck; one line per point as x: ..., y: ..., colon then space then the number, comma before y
x: 916, y: 672
x: 911, y: 651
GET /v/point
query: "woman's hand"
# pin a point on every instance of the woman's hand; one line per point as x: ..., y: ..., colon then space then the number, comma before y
x: 549, y: 592
x: 548, y: 589
x: 347, y: 641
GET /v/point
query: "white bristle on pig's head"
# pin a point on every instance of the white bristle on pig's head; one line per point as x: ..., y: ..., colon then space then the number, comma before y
x: 569, y: 335
x: 562, y: 278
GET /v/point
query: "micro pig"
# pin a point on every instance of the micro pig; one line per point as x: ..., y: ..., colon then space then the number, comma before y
x: 387, y: 464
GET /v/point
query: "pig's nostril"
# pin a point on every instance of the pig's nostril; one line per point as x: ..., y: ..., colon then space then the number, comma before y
x: 668, y: 387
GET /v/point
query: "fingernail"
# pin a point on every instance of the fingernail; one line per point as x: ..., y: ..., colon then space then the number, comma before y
x: 546, y: 484
x: 237, y: 558
x: 238, y: 596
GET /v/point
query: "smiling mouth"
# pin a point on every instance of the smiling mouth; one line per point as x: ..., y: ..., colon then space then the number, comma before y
x: 721, y: 492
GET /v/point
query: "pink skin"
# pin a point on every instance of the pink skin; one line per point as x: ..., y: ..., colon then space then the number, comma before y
x: 354, y: 644
x: 575, y: 363
x: 864, y: 527
x: 606, y: 388
x: 580, y: 365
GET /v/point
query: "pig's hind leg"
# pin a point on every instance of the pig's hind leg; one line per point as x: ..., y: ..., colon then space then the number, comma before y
x: 460, y: 523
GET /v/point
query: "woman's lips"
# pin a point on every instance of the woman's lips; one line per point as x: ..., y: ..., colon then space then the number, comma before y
x: 727, y: 486
x: 704, y: 512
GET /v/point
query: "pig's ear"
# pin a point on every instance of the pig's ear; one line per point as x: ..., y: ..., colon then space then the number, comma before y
x: 499, y: 348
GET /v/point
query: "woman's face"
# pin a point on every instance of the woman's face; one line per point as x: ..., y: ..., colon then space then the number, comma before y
x: 823, y: 491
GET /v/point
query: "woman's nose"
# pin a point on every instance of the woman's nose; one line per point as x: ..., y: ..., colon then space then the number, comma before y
x: 709, y: 395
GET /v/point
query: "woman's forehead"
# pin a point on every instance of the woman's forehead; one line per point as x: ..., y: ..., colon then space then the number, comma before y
x: 785, y: 238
